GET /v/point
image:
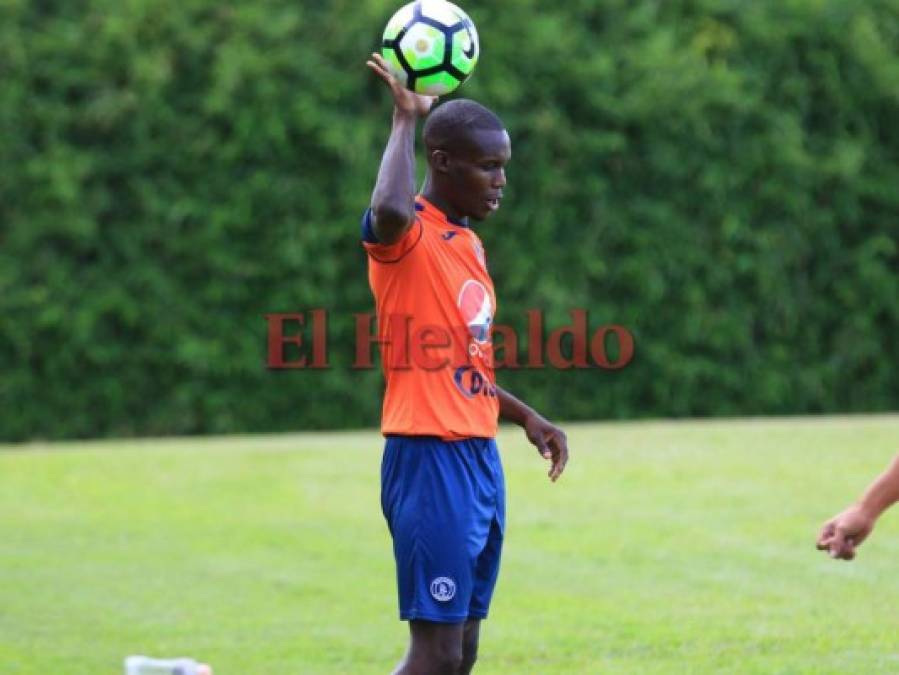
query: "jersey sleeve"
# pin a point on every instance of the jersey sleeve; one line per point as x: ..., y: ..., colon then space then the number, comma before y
x: 389, y: 253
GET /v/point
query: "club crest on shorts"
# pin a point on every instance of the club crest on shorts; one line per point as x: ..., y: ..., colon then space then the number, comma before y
x: 443, y: 589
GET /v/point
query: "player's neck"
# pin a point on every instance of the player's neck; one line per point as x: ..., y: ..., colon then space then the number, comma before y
x: 429, y: 193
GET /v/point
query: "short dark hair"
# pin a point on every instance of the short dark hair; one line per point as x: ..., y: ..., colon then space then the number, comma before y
x: 454, y: 120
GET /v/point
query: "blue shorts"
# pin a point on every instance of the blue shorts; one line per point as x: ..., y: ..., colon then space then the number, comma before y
x: 445, y: 505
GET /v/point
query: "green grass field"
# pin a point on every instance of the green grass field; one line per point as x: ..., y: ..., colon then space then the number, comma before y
x: 665, y: 548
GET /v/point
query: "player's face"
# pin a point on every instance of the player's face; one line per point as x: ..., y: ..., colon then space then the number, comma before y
x: 478, y: 173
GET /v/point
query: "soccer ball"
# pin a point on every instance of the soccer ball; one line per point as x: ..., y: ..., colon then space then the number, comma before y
x: 431, y: 46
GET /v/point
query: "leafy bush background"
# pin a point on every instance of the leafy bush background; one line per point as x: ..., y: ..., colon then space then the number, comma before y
x: 721, y: 177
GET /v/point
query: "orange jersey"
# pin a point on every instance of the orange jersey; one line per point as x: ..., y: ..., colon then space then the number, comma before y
x: 435, y: 305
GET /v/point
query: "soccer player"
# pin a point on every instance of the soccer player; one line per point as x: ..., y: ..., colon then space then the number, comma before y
x: 844, y: 532
x: 442, y: 487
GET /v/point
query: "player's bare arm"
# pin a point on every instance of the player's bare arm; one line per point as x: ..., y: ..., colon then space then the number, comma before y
x: 393, y: 199
x: 843, y: 533
x: 549, y: 439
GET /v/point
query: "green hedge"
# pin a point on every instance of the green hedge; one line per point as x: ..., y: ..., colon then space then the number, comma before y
x: 718, y: 176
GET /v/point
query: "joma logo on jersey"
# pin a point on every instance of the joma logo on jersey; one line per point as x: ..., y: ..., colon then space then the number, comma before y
x: 472, y: 383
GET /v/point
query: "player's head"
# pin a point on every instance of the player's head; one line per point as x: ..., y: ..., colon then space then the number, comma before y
x: 468, y: 148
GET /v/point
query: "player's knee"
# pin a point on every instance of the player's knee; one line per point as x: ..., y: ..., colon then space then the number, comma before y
x: 468, y: 659
x: 444, y: 656
x: 469, y: 652
x: 436, y: 648
x: 447, y: 658
x: 438, y: 657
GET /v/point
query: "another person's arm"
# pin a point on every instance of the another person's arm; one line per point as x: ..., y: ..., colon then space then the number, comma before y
x: 393, y: 199
x: 844, y: 532
x: 549, y: 439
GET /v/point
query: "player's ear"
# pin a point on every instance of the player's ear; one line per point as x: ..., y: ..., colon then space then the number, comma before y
x: 440, y: 160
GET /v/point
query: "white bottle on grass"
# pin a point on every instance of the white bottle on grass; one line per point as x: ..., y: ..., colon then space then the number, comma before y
x: 145, y: 665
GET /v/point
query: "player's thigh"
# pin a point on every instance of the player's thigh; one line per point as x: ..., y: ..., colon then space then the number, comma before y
x: 437, y: 642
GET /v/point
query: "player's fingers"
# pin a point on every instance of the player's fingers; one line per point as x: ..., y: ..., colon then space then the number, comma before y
x: 378, y: 60
x: 378, y: 70
x: 556, y: 471
x: 558, y: 468
x: 379, y: 65
x: 540, y: 443
x: 842, y: 545
x: 824, y: 537
x: 836, y: 543
x: 845, y: 552
x: 560, y: 457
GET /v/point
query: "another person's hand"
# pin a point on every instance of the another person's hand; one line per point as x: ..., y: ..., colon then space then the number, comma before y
x: 550, y: 442
x: 405, y: 101
x: 843, y: 533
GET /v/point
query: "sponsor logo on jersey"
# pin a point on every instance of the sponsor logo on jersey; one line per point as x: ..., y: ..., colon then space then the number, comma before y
x: 470, y: 382
x: 477, y: 310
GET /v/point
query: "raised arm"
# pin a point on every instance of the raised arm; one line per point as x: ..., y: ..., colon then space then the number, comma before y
x: 549, y: 439
x: 844, y: 532
x: 393, y: 199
